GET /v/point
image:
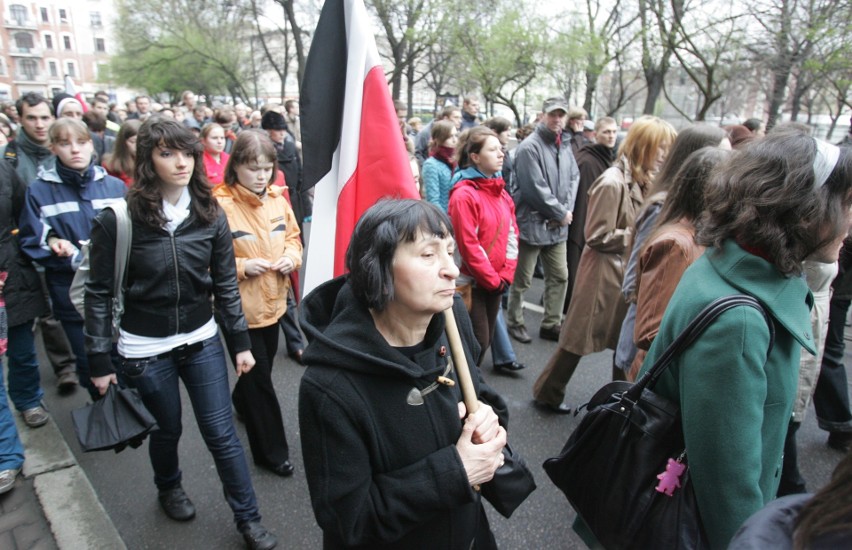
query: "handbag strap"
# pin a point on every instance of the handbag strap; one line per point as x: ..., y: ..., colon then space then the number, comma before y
x: 123, y: 236
x: 691, y: 332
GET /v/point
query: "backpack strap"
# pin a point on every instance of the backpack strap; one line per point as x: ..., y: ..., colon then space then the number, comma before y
x: 123, y: 237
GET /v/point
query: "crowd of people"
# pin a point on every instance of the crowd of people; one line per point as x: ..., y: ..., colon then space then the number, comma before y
x: 632, y: 234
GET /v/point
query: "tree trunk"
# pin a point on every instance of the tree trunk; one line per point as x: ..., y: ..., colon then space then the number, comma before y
x: 409, y: 82
x: 592, y: 77
x: 654, y: 80
x: 780, y: 77
x: 297, y: 38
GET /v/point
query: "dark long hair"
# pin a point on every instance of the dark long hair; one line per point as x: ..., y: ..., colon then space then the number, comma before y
x: 145, y: 199
x: 688, y: 186
x: 764, y: 196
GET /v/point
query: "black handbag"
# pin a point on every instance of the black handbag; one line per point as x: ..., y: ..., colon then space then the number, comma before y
x: 117, y: 420
x: 616, y: 459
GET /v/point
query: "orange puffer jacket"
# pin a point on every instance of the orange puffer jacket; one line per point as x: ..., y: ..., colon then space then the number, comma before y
x: 261, y: 228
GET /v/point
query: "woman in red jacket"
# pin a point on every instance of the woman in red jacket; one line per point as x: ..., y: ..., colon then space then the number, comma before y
x: 483, y: 217
x: 215, y: 157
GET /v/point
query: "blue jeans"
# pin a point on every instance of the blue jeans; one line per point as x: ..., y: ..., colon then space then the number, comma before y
x: 24, y: 381
x: 501, y: 347
x: 11, y: 450
x: 205, y: 376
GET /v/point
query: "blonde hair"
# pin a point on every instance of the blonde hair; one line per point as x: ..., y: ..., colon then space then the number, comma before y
x: 68, y: 127
x: 646, y: 135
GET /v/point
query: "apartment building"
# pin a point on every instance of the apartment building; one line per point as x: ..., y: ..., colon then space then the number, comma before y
x: 42, y: 41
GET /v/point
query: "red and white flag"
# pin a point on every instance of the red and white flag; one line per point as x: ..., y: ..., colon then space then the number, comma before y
x: 71, y: 90
x: 353, y: 148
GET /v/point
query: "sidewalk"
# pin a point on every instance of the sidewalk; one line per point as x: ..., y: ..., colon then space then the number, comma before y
x: 53, y: 504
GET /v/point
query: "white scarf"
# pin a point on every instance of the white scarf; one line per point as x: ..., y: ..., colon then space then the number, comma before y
x: 175, y: 214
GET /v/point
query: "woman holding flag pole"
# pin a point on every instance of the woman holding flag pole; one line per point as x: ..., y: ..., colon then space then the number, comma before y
x: 389, y: 461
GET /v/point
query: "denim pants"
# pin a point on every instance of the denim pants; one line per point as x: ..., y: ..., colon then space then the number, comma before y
x: 11, y: 449
x: 24, y: 381
x: 205, y: 376
x: 831, y: 396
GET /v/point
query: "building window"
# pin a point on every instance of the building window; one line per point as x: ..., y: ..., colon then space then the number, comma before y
x: 2, y: 67
x: 63, y: 16
x: 100, y: 45
x: 54, y: 70
x: 95, y: 19
x: 27, y: 69
x: 44, y: 17
x: 70, y: 70
x: 19, y: 13
x: 66, y: 41
x: 24, y: 41
x: 48, y: 42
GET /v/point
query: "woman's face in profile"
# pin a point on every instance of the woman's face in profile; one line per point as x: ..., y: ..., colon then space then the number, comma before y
x: 830, y: 253
x: 424, y: 276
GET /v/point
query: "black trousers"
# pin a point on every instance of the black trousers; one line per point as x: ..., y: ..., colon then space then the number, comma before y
x: 255, y: 400
x: 290, y: 325
x: 831, y: 396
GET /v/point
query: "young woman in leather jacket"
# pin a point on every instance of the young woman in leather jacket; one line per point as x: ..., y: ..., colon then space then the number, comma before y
x: 181, y: 255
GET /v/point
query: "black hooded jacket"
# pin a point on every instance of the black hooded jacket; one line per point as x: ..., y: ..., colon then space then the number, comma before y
x: 384, y: 472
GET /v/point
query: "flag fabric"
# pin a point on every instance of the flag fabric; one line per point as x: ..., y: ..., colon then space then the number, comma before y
x: 71, y: 90
x: 354, y: 153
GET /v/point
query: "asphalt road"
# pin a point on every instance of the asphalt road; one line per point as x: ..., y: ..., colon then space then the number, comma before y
x: 124, y: 481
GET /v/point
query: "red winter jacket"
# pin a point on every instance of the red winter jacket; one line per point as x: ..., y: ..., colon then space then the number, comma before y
x: 483, y: 217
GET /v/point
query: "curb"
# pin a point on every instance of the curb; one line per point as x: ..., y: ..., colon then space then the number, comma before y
x: 76, y: 516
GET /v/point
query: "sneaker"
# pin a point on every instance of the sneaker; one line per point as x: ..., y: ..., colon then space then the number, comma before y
x: 7, y: 479
x: 35, y: 417
x: 67, y: 382
x: 257, y: 537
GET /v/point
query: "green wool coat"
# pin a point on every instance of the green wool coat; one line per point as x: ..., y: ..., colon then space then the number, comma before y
x: 735, y: 402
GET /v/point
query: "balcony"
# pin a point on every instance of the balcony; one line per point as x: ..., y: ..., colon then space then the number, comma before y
x: 18, y: 23
x: 15, y: 51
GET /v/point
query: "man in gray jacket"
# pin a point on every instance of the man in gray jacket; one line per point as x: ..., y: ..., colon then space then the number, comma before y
x: 546, y: 176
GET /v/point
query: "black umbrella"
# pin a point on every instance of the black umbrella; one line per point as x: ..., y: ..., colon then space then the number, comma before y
x: 115, y: 421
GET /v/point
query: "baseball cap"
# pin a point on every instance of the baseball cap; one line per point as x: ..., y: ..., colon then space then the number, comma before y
x: 554, y: 103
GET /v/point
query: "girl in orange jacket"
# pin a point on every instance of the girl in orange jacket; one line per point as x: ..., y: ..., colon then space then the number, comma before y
x: 267, y: 249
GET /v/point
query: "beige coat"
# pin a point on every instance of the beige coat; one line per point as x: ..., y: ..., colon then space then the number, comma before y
x: 597, y: 307
x: 819, y: 277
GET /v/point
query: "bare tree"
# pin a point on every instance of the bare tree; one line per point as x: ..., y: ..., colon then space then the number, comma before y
x: 791, y: 28
x: 603, y: 31
x: 707, y: 49
x: 660, y: 21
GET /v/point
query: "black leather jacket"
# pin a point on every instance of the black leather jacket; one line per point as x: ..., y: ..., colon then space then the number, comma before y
x: 170, y: 280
